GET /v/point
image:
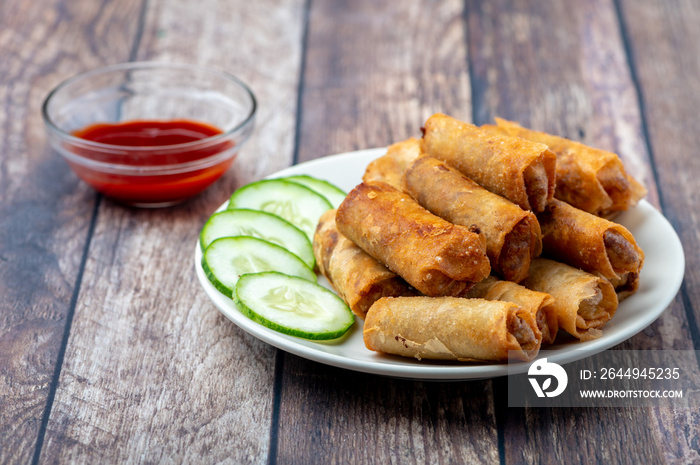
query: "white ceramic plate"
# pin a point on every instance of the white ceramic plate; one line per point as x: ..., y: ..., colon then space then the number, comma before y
x: 659, y: 282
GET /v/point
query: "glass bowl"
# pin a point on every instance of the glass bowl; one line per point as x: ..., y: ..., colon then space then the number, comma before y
x: 181, y: 126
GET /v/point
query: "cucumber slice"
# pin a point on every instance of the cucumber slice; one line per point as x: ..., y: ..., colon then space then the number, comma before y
x: 331, y: 192
x: 255, y: 223
x: 226, y: 259
x: 293, y: 306
x: 295, y: 203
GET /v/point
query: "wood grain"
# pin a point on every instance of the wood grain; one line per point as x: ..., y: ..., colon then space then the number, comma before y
x: 259, y: 42
x: 152, y: 369
x: 374, y: 72
x: 669, y: 93
x: 153, y: 372
x: 329, y: 415
x: 665, y: 56
x: 578, y: 86
x: 45, y: 212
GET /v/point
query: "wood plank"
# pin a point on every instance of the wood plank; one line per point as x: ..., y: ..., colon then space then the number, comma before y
x: 664, y: 44
x: 374, y: 73
x: 45, y: 212
x: 668, y: 91
x: 261, y: 43
x: 577, y: 85
x: 153, y: 372
x: 329, y: 415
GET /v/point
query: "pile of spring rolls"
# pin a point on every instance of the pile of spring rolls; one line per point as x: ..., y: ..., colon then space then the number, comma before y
x: 482, y: 243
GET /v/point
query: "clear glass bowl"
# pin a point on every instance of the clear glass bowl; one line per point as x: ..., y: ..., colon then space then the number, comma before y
x: 150, y: 175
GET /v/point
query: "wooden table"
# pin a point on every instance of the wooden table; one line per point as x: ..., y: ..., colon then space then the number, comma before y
x: 111, y: 352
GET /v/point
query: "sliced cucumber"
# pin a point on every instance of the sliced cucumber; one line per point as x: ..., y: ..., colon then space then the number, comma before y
x: 226, y: 259
x: 292, y: 305
x: 295, y: 203
x: 255, y: 223
x: 331, y: 192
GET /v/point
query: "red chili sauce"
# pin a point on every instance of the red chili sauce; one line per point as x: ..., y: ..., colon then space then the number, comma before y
x: 169, y: 187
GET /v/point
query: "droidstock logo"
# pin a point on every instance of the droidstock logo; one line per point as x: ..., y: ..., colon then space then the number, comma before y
x: 541, y: 374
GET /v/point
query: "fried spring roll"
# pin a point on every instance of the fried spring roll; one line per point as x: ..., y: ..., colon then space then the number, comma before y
x: 539, y: 304
x: 583, y: 302
x: 585, y: 241
x: 591, y: 179
x: 391, y: 167
x: 451, y: 328
x: 434, y: 256
x: 626, y: 285
x: 359, y: 279
x: 512, y: 234
x: 519, y: 170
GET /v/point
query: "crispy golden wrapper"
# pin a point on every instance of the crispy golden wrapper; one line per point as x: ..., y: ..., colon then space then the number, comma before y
x: 591, y: 179
x: 359, y: 279
x: 626, y: 285
x: 583, y: 302
x: 539, y: 304
x: 434, y: 256
x: 451, y: 328
x: 512, y: 234
x: 391, y: 167
x: 586, y: 241
x: 519, y: 170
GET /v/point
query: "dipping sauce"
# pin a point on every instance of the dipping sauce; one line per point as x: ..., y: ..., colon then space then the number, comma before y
x: 152, y: 163
x: 148, y: 133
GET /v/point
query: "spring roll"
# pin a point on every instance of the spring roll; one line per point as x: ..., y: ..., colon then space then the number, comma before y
x: 451, y: 328
x: 434, y: 256
x: 519, y: 170
x: 626, y: 285
x: 539, y: 304
x: 586, y: 241
x: 391, y: 167
x: 583, y: 302
x: 358, y: 279
x: 591, y: 179
x: 512, y: 234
